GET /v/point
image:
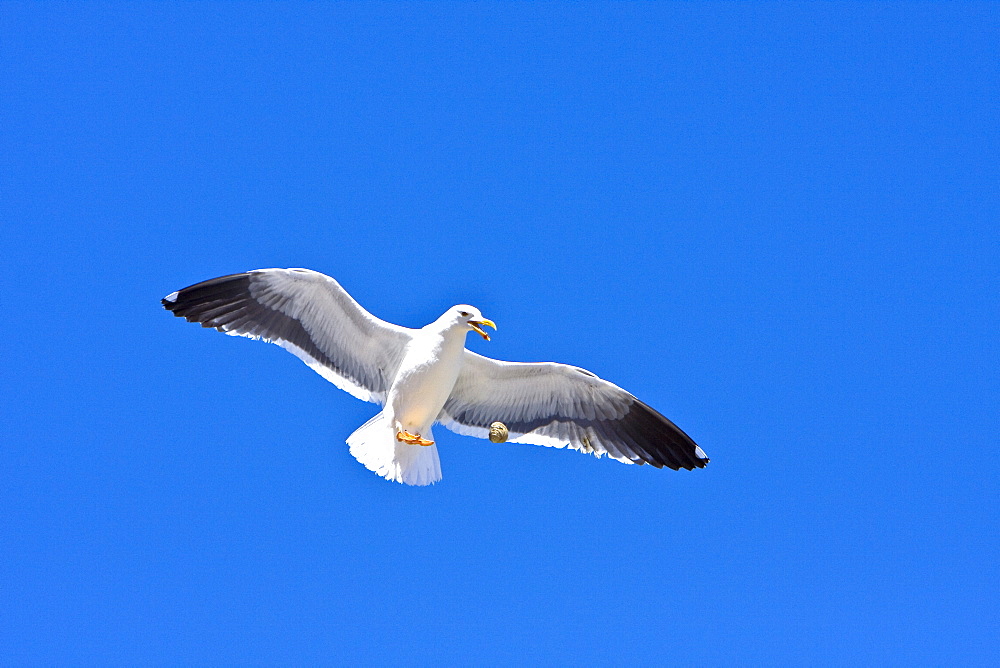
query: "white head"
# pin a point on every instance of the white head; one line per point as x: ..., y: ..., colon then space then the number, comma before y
x: 470, y: 317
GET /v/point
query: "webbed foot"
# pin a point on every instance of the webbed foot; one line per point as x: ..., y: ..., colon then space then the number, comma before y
x: 412, y: 439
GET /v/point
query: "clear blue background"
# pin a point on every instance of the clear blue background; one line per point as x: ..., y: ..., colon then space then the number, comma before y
x: 775, y: 223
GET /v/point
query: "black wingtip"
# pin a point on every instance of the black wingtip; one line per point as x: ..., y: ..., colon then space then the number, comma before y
x: 192, y: 299
x: 661, y: 442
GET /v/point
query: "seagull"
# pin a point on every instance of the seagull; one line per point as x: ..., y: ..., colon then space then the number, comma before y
x: 425, y: 376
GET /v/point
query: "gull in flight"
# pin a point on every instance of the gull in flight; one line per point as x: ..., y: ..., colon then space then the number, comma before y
x: 422, y: 376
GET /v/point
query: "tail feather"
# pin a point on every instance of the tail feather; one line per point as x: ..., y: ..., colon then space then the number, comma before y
x: 374, y: 444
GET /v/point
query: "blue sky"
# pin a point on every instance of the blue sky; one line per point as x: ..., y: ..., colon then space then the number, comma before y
x: 777, y: 224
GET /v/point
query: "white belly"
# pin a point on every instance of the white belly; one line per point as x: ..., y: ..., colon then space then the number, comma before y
x: 425, y: 380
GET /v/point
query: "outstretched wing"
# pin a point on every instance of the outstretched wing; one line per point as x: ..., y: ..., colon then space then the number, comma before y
x: 306, y: 313
x: 560, y: 405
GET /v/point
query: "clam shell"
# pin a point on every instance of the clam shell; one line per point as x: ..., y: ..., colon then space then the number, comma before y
x: 498, y: 432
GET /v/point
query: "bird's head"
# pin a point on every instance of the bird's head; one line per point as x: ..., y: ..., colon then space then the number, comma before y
x: 473, y: 319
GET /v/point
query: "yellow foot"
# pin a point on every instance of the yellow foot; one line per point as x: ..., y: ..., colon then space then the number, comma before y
x: 412, y: 439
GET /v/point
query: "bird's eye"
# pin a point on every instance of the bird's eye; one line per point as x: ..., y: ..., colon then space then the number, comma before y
x: 464, y: 314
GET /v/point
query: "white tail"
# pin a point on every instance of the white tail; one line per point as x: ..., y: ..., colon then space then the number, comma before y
x: 374, y: 444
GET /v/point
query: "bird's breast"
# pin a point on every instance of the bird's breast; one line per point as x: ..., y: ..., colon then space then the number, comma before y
x: 424, y: 381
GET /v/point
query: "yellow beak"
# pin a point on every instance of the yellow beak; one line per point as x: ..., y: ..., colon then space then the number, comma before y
x: 477, y: 325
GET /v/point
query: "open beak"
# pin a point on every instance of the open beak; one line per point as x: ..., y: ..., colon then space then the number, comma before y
x: 478, y: 326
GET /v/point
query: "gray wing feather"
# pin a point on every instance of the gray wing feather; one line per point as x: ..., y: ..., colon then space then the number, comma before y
x: 559, y: 405
x: 307, y: 313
